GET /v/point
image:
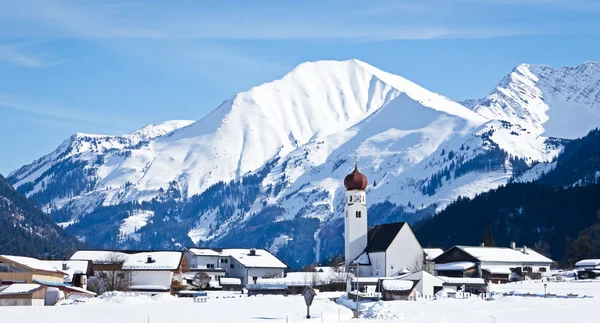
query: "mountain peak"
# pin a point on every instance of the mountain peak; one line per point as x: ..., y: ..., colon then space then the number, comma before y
x: 557, y: 102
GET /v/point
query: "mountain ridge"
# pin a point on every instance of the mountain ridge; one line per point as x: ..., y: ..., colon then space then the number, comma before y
x: 273, y: 158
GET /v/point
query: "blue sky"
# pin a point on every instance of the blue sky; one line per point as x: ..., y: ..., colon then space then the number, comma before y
x: 104, y: 66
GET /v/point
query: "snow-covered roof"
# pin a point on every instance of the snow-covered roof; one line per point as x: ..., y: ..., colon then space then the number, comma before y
x: 497, y: 270
x: 397, y: 285
x: 459, y: 265
x: 72, y: 267
x: 34, y: 264
x: 230, y: 281
x: 432, y: 253
x: 497, y: 254
x: 419, y: 275
x: 261, y: 258
x: 16, y: 289
x: 462, y: 280
x: 100, y: 256
x: 158, y: 260
x: 588, y: 263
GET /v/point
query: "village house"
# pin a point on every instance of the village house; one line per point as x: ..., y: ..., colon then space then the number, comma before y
x: 588, y: 264
x: 22, y: 295
x: 22, y: 274
x: 148, y: 272
x: 249, y: 265
x: 495, y: 264
x: 21, y: 270
x: 381, y: 251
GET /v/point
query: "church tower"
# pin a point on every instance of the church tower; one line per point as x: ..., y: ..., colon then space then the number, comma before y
x: 355, y: 221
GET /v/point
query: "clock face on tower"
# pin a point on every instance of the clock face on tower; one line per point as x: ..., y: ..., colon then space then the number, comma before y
x: 356, y: 198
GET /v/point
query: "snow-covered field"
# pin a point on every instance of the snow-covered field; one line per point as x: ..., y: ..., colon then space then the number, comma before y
x: 233, y: 307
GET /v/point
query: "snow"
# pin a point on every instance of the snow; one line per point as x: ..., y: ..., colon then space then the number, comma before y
x: 134, y: 222
x: 432, y: 253
x: 588, y: 263
x: 149, y: 288
x: 230, y: 281
x: 15, y: 289
x: 99, y: 256
x: 397, y: 285
x: 557, y: 102
x: 460, y: 265
x: 225, y: 307
x: 34, y: 263
x: 498, y: 254
x: 160, y: 260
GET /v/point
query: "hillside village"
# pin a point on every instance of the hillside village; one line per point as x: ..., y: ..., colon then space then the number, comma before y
x: 382, y: 263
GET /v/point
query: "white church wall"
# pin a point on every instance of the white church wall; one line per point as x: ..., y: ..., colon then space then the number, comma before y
x: 377, y: 264
x: 355, y: 224
x: 403, y: 252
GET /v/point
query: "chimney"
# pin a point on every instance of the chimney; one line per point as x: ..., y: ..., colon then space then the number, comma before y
x: 513, y: 245
x: 524, y: 250
x: 252, y: 252
x: 149, y: 260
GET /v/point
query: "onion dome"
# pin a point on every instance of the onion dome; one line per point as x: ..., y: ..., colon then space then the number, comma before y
x: 356, y: 181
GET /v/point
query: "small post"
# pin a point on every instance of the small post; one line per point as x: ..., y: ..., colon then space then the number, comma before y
x: 545, y: 286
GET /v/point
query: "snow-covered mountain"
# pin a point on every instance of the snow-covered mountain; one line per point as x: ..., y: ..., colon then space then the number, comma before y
x: 265, y: 168
x: 562, y: 102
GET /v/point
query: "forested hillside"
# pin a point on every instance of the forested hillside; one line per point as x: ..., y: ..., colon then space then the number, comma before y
x: 26, y: 230
x: 557, y: 213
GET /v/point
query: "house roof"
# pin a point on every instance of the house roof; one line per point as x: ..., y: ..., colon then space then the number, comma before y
x: 159, y: 260
x: 498, y: 254
x: 230, y: 281
x: 432, y: 253
x: 397, y: 285
x: 380, y: 237
x: 419, y: 275
x: 100, y: 256
x: 261, y: 259
x: 588, y: 263
x: 73, y: 267
x: 19, y: 289
x: 455, y: 266
x: 34, y: 264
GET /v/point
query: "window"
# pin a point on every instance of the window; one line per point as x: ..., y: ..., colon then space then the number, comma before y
x: 224, y: 260
x: 121, y: 275
x: 231, y: 266
x: 346, y: 213
x: 210, y: 265
x: 542, y: 269
x: 527, y: 269
x: 358, y: 214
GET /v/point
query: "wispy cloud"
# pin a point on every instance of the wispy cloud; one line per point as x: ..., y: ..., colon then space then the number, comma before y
x: 366, y: 21
x: 15, y: 55
x: 50, y: 113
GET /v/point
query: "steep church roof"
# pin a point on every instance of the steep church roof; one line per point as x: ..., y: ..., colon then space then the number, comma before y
x: 380, y: 237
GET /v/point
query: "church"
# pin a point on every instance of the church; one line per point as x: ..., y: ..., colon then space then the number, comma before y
x: 381, y: 251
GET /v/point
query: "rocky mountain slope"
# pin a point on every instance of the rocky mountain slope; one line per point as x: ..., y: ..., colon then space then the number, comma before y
x: 554, y: 102
x: 266, y: 167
